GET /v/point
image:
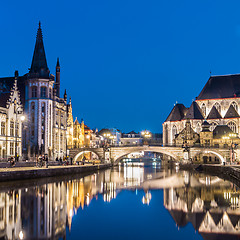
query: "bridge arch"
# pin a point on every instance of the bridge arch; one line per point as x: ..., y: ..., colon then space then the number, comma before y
x: 221, y: 158
x: 118, y: 157
x: 83, y: 152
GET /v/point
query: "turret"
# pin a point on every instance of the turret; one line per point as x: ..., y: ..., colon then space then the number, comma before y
x: 57, y: 83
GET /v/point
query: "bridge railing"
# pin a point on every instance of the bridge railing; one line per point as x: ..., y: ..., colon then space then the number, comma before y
x: 198, y: 145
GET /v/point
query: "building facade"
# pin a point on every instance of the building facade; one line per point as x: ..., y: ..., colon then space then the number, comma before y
x: 46, y: 112
x: 217, y: 103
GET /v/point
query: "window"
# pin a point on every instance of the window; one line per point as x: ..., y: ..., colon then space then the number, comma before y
x: 50, y: 93
x: 1, y: 214
x: 33, y: 106
x: 218, y: 107
x: 3, y: 127
x: 10, y: 213
x: 34, y: 92
x: 212, y: 127
x: 43, y: 92
x: 203, y: 109
x: 232, y: 126
x: 234, y: 104
x: 11, y: 148
x: 198, y: 128
x: 11, y: 128
x: 174, y: 132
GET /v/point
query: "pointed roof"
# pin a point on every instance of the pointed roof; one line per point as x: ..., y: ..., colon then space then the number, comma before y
x: 231, y: 113
x: 58, y: 64
x: 178, y: 112
x: 39, y: 61
x: 194, y: 112
x: 214, y: 114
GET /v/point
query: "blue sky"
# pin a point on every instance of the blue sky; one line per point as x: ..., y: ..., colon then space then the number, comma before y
x: 125, y: 63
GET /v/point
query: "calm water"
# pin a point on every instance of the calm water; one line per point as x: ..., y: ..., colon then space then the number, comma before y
x: 131, y: 201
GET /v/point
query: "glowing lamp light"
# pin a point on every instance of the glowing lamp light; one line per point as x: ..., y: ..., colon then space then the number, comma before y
x: 22, y: 118
x: 21, y: 235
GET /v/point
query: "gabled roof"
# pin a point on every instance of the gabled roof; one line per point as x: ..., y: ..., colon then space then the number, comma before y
x: 226, y: 86
x: 178, y: 112
x: 231, y: 113
x: 39, y: 61
x: 194, y: 112
x: 214, y: 114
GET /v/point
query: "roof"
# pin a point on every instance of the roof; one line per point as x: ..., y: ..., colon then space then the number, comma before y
x: 225, y: 86
x: 178, y: 112
x: 194, y: 112
x: 221, y: 130
x: 231, y: 113
x: 214, y: 114
x: 39, y: 61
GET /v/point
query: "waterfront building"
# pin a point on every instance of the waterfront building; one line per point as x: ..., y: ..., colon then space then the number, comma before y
x: 217, y: 103
x: 131, y: 138
x: 69, y: 125
x: 11, y: 118
x: 45, y: 110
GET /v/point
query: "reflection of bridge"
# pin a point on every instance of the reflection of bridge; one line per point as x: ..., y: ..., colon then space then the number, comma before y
x: 115, y: 154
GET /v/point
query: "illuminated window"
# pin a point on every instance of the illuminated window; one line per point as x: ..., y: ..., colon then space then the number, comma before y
x: 11, y: 128
x: 212, y: 127
x: 198, y: 128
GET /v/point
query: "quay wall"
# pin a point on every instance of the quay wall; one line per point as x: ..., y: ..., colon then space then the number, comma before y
x: 23, y: 174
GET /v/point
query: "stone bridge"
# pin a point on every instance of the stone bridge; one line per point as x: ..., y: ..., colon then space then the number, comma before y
x: 115, y: 154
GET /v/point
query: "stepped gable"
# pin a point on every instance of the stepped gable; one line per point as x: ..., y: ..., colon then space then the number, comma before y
x: 225, y: 86
x: 231, y: 113
x: 194, y: 112
x: 178, y: 112
x: 214, y: 114
x: 6, y: 85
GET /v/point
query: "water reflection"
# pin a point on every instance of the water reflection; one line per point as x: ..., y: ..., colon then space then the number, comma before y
x: 45, y: 211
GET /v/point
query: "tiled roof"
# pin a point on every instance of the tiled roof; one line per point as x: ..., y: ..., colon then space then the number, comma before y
x: 226, y: 86
x: 178, y: 112
x: 221, y: 130
x: 194, y: 112
x: 214, y: 114
x: 231, y: 113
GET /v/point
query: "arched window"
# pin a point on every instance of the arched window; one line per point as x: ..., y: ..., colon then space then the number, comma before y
x: 212, y: 127
x: 218, y: 107
x: 34, y: 92
x: 174, y: 132
x: 198, y: 128
x: 234, y: 104
x: 204, y: 109
x: 232, y: 126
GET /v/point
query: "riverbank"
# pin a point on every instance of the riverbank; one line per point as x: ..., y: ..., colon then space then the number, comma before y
x: 23, y: 173
x: 227, y: 172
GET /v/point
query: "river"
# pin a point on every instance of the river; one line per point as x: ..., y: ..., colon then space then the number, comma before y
x: 130, y: 201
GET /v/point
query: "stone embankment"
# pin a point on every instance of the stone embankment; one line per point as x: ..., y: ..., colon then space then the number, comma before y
x: 23, y: 173
x: 231, y: 173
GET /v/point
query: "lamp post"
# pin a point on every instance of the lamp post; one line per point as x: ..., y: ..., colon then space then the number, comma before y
x: 22, y: 118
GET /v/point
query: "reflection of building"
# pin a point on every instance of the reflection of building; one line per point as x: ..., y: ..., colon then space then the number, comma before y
x: 210, y: 204
x: 44, y: 211
x: 10, y: 215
